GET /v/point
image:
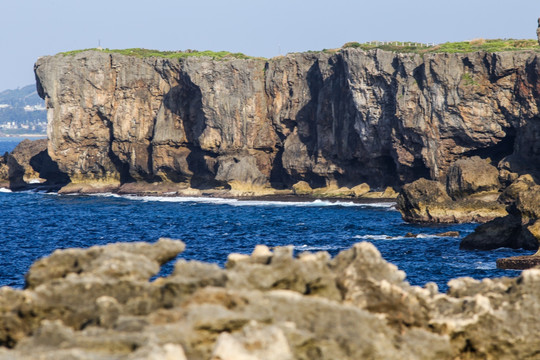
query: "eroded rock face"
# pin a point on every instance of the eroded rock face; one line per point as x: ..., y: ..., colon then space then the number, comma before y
x: 99, y: 304
x: 346, y: 118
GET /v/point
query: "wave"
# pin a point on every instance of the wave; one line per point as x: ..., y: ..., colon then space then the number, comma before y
x: 318, y: 248
x: 5, y: 190
x: 240, y: 202
x: 390, y: 206
x: 377, y: 237
x: 108, y: 194
x: 485, y: 266
x: 390, y: 237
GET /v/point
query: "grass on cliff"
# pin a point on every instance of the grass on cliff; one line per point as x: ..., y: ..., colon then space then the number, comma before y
x: 145, y: 53
x: 494, y: 45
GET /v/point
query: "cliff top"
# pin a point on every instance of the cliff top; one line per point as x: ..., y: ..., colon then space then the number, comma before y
x: 144, y: 53
x: 490, y: 45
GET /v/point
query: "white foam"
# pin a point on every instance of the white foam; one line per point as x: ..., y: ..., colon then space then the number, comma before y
x: 485, y: 266
x: 103, y: 195
x: 239, y: 202
x: 4, y: 190
x: 427, y: 236
x: 389, y: 237
x: 317, y: 248
x: 377, y: 237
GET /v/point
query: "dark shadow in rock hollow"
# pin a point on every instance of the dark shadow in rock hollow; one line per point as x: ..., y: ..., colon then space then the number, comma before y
x: 326, y: 126
x: 48, y: 169
x: 185, y: 101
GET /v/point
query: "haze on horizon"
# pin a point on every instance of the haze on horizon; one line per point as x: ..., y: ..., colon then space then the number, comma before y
x: 34, y: 28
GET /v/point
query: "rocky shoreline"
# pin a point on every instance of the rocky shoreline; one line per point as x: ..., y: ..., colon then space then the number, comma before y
x: 98, y: 303
x: 28, y: 167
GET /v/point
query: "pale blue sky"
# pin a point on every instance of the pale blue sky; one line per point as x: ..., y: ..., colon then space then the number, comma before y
x: 33, y: 28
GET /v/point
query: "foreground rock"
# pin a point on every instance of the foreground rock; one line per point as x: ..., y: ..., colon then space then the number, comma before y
x: 98, y: 303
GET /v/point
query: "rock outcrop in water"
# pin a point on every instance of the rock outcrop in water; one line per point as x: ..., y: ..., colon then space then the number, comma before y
x: 339, y: 119
x: 520, y: 228
x: 470, y: 193
x: 98, y: 303
x: 29, y: 163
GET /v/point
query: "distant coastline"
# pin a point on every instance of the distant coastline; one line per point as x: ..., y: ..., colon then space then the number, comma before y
x: 23, y: 135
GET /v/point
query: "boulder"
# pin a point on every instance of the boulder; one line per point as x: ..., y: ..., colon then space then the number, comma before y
x: 528, y: 203
x: 500, y: 232
x: 449, y: 234
x: 426, y: 201
x: 302, y: 188
x: 519, y: 229
x: 387, y: 193
x: 521, y: 184
x: 470, y: 176
x: 360, y: 190
x: 414, y: 199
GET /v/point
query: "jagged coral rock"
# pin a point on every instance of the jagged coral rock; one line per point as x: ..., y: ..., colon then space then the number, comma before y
x: 354, y: 306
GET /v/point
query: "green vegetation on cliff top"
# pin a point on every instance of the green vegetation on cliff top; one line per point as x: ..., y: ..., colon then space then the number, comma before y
x: 144, y: 53
x: 494, y: 45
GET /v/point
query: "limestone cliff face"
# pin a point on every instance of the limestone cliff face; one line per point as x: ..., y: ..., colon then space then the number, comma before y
x: 345, y: 118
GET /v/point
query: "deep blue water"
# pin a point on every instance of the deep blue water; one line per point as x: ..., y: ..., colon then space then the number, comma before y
x: 35, y: 224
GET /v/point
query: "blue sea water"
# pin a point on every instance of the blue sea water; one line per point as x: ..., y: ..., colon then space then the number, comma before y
x: 36, y: 224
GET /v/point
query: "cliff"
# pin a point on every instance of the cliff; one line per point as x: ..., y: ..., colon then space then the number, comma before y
x: 345, y: 118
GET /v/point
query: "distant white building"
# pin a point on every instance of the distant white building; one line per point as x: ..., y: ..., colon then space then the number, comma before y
x: 34, y: 108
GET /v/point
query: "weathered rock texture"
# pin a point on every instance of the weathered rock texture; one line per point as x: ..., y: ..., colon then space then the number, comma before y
x: 344, y: 118
x: 98, y: 303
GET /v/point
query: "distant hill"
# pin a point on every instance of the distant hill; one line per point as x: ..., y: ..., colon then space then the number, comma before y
x: 22, y: 111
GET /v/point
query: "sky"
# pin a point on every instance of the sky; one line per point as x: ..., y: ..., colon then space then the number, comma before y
x: 33, y: 28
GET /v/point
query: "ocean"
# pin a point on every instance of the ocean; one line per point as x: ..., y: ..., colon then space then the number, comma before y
x: 35, y: 224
